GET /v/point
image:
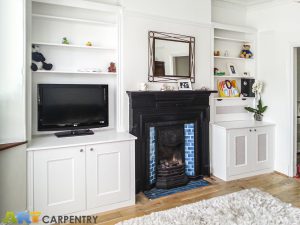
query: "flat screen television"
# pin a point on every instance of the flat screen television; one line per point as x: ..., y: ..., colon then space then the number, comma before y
x: 72, y: 107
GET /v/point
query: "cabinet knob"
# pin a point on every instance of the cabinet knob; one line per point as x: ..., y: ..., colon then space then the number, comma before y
x: 91, y: 149
x: 255, y: 130
x: 250, y: 130
x: 81, y: 150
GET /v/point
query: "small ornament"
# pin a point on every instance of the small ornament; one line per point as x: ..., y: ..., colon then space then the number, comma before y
x: 112, y: 68
x: 246, y: 53
x: 65, y: 41
x: 217, y: 53
x: 226, y: 54
x: 88, y: 43
x: 143, y: 87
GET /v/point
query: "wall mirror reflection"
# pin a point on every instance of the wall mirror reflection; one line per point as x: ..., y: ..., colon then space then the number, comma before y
x: 171, y: 57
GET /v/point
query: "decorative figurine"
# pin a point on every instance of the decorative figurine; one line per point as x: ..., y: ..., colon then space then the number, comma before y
x: 217, y: 53
x: 246, y: 53
x: 65, y: 41
x: 38, y: 60
x: 88, y: 43
x: 112, y: 68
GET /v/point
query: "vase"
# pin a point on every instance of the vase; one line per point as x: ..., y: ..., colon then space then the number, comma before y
x: 258, y: 117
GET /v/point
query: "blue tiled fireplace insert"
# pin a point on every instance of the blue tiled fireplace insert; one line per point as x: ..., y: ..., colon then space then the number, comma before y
x: 189, y: 151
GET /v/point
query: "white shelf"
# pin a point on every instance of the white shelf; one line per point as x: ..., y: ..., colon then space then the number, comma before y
x: 73, y: 46
x: 239, y: 77
x: 74, y: 72
x: 233, y: 58
x: 232, y: 39
x: 233, y: 98
x: 51, y: 141
x: 73, y: 20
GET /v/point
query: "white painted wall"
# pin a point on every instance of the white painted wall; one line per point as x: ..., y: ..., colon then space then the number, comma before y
x: 12, y: 75
x: 298, y: 74
x: 13, y: 180
x: 192, y: 10
x: 135, y: 40
x: 278, y: 30
x: 228, y: 13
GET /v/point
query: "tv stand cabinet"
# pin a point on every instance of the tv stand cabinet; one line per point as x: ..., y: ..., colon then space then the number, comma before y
x: 84, y: 174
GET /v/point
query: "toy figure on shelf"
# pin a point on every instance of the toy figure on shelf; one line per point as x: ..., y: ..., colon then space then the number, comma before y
x: 218, y: 73
x: 217, y: 53
x: 65, y: 41
x: 246, y: 53
x: 38, y: 60
x: 112, y: 68
x: 88, y: 43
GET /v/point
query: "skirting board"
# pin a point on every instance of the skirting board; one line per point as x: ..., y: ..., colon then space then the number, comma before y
x: 246, y: 175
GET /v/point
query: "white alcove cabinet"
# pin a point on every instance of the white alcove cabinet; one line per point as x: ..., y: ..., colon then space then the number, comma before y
x: 244, y: 148
x: 86, y: 174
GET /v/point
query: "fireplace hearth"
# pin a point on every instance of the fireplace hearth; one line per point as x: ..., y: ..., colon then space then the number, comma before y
x: 172, y: 128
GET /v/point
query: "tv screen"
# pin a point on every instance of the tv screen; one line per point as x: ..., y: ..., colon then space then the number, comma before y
x: 72, y: 106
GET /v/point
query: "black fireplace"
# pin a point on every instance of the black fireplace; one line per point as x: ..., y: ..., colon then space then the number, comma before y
x: 173, y: 137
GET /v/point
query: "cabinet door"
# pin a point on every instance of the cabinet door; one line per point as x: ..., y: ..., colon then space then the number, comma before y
x: 108, y: 173
x: 239, y: 159
x: 59, y: 180
x: 263, y: 141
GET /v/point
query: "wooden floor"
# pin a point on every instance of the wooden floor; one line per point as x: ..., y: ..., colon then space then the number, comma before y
x: 286, y: 189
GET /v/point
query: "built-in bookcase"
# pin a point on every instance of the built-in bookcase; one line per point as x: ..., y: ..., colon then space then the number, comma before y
x: 229, y: 41
x: 80, y: 22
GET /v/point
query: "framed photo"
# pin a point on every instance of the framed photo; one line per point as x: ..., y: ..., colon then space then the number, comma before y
x: 232, y: 69
x: 184, y: 84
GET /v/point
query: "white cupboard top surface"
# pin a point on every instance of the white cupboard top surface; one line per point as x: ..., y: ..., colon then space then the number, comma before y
x: 51, y: 141
x: 242, y: 124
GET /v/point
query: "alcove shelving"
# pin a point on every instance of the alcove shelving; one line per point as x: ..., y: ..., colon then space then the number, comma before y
x: 76, y: 62
x: 229, y: 41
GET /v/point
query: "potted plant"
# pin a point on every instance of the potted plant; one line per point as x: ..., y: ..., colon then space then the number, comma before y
x: 260, y: 109
x: 258, y: 112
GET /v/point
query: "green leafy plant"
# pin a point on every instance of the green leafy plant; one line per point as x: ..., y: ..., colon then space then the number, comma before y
x: 260, y: 109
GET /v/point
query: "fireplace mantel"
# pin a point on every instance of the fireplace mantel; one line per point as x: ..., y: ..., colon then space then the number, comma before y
x: 149, y: 108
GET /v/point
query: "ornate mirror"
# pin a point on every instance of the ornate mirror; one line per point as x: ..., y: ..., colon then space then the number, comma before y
x: 171, y: 57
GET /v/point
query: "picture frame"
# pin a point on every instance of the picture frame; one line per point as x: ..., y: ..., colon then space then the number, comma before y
x: 232, y: 69
x: 184, y: 85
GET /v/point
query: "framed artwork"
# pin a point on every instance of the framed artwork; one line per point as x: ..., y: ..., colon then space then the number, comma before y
x: 232, y: 69
x: 184, y: 84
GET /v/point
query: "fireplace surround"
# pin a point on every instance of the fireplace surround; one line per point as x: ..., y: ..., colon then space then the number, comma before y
x: 183, y: 116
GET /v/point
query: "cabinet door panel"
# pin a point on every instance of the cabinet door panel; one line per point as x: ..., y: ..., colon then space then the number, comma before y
x: 108, y: 174
x: 263, y: 139
x: 59, y: 180
x: 239, y: 155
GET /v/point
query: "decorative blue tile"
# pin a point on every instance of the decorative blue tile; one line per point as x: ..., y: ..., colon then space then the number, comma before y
x: 189, y: 132
x: 152, y: 161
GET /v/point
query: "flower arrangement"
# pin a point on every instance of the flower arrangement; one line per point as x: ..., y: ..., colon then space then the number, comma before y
x: 260, y: 109
x: 257, y: 88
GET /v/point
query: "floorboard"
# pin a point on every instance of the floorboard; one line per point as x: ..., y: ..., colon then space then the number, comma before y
x: 285, y: 188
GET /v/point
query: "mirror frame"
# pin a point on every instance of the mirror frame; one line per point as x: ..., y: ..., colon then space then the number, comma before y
x: 152, y: 36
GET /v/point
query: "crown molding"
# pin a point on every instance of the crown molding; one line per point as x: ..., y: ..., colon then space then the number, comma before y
x: 250, y: 5
x: 269, y: 4
x: 133, y: 13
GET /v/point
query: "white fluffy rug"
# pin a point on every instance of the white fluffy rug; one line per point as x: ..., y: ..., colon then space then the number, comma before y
x: 247, y: 207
